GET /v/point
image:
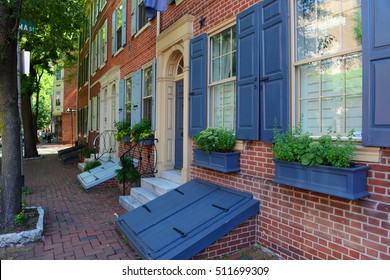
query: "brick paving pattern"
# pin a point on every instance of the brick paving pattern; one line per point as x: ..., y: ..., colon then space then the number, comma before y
x: 78, y: 224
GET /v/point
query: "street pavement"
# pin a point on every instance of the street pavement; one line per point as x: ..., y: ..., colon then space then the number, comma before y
x: 78, y: 224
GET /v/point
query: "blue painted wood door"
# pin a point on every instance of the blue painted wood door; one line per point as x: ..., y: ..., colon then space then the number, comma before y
x: 179, y: 126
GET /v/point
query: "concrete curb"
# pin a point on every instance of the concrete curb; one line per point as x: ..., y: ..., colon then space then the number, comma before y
x: 21, y: 238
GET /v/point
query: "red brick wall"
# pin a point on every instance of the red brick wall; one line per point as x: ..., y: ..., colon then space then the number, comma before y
x: 299, y: 224
x: 67, y: 128
x: 238, y: 239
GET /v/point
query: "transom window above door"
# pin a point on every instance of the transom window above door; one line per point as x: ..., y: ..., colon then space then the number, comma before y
x: 328, y: 65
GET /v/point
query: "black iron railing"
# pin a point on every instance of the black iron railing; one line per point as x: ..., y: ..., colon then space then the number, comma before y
x: 105, y: 143
x: 139, y: 161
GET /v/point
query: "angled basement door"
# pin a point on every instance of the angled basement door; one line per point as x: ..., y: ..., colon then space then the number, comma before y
x: 183, y: 222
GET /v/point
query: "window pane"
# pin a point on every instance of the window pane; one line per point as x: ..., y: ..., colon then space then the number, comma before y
x: 223, y: 105
x: 310, y: 81
x: 310, y: 110
x: 225, y: 67
x: 325, y: 86
x: 226, y: 41
x: 332, y: 81
x: 148, y: 82
x: 216, y: 75
x: 354, y: 113
x: 223, y: 55
x: 332, y: 115
x: 327, y: 27
x: 215, y: 45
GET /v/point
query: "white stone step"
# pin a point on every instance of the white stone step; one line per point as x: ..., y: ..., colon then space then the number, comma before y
x: 172, y: 175
x: 129, y: 203
x: 158, y: 186
x: 142, y: 195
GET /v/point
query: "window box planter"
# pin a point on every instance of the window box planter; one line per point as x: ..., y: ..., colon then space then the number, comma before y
x: 126, y: 139
x: 349, y: 183
x: 223, y: 162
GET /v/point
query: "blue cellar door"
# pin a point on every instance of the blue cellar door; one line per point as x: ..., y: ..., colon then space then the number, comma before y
x: 376, y: 69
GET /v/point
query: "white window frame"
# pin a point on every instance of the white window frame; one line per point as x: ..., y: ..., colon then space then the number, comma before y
x: 211, y: 84
x: 145, y: 97
x: 295, y: 72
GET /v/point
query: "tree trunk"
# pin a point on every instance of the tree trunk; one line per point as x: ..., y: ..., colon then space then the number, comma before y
x: 30, y: 139
x: 10, y: 179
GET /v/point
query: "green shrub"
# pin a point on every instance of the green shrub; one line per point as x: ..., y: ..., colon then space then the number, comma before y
x: 128, y: 171
x: 86, y: 152
x: 215, y: 139
x: 91, y: 165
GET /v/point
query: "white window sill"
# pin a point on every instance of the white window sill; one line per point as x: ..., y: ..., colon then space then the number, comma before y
x: 139, y: 32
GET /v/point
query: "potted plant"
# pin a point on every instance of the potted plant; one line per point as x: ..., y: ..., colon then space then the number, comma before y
x: 128, y: 174
x: 323, y: 165
x: 85, y: 153
x: 214, y: 150
x: 123, y: 131
x: 143, y: 130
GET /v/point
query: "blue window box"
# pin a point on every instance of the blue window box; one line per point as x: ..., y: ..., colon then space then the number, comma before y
x: 349, y: 183
x: 223, y: 162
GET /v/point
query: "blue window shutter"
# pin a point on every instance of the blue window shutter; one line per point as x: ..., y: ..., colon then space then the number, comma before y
x: 376, y: 69
x: 121, y: 100
x: 113, y: 35
x: 136, y: 98
x: 247, y: 64
x: 134, y: 7
x: 274, y: 68
x: 198, y: 84
x: 124, y: 20
x: 154, y: 85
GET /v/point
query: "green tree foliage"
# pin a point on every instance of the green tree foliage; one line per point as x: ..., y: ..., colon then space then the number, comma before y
x: 54, y: 41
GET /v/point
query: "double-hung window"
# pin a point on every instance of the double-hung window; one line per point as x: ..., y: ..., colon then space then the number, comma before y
x: 119, y: 18
x: 147, y: 92
x: 328, y: 65
x: 222, y: 80
x: 118, y: 28
x: 128, y: 93
x: 138, y: 16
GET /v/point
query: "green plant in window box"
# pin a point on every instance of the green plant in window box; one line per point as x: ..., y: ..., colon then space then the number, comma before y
x: 294, y: 145
x: 214, y: 150
x: 322, y: 165
x: 215, y: 139
x: 123, y: 129
x: 142, y: 130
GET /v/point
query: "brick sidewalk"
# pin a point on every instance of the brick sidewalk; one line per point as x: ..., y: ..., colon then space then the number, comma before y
x: 79, y: 224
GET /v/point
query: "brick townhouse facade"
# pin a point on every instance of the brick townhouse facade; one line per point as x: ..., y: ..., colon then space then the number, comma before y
x: 64, y: 105
x: 250, y: 66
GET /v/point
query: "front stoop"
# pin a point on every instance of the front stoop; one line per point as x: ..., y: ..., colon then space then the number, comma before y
x: 150, y: 189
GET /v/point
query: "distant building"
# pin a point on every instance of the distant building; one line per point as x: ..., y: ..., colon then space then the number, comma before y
x: 64, y: 119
